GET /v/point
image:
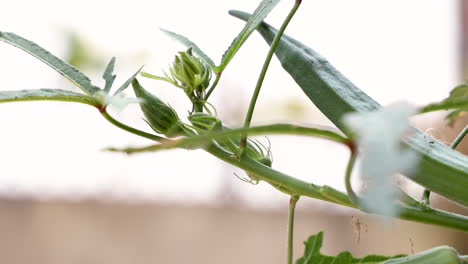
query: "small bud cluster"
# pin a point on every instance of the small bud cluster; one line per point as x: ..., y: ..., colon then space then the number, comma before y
x: 191, y: 74
x: 255, y: 150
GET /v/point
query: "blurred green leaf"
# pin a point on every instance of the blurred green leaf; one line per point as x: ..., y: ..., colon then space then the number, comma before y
x: 81, y: 53
x: 458, y: 100
x: 65, y: 69
x: 312, y: 254
x: 436, y: 255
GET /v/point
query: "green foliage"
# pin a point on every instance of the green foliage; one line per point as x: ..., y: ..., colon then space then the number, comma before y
x: 457, y: 100
x: 264, y: 8
x: 107, y: 76
x: 312, y: 254
x: 81, y: 53
x: 371, y: 129
x: 65, y: 69
x: 128, y: 82
x: 190, y: 74
x: 336, y: 96
x: 206, y: 124
x: 439, y: 255
x: 47, y: 94
x: 188, y: 43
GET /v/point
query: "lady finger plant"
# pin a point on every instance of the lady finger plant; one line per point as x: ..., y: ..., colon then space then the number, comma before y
x: 380, y: 137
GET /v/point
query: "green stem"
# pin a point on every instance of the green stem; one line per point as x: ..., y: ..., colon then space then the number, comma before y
x: 408, y: 200
x: 274, y: 177
x: 301, y: 188
x: 349, y: 170
x: 283, y: 129
x: 213, y: 86
x: 261, y: 77
x: 292, y: 207
x: 458, y: 139
x: 434, y: 217
x: 132, y: 130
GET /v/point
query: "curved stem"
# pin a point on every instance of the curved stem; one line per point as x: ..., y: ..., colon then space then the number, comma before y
x: 458, y: 139
x: 132, y: 130
x: 213, y: 86
x: 292, y: 207
x: 261, y: 77
x: 349, y: 170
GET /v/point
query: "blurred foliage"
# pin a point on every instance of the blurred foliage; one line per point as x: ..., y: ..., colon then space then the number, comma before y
x: 81, y: 53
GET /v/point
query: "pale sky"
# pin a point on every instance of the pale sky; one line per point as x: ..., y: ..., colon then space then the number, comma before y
x: 392, y: 49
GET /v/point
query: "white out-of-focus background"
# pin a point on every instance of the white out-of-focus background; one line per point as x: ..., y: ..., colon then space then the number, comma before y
x: 399, y: 50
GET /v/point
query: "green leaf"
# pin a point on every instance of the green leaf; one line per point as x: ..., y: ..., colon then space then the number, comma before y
x: 441, y: 169
x: 65, y: 69
x: 47, y: 94
x: 159, y: 78
x: 439, y: 255
x: 453, y: 116
x: 108, y: 77
x: 188, y: 43
x: 254, y: 21
x: 458, y: 100
x: 128, y: 82
x: 312, y: 254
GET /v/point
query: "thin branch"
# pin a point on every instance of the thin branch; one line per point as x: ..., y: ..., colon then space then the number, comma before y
x: 261, y: 77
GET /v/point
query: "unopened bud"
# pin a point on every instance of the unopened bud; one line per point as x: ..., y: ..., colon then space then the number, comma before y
x: 161, y: 117
x: 192, y: 74
x: 205, y: 121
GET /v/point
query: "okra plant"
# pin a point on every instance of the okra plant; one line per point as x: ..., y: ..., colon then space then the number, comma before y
x: 380, y: 137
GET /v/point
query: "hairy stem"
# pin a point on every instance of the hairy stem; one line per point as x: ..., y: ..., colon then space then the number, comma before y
x: 292, y: 207
x: 261, y: 77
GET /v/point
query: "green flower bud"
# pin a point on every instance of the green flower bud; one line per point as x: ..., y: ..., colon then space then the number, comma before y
x: 191, y: 74
x: 161, y: 117
x: 204, y: 121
